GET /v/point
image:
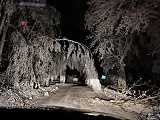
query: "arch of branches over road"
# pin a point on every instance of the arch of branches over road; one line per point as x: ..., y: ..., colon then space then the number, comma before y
x: 126, y: 35
x: 48, y: 58
x: 34, y: 54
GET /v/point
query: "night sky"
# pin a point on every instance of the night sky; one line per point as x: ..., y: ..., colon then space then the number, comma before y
x: 72, y: 18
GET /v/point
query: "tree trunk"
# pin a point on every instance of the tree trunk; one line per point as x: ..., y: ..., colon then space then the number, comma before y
x: 122, y: 78
x: 92, y: 76
x: 62, y: 79
x: 3, y: 38
x: 2, y: 23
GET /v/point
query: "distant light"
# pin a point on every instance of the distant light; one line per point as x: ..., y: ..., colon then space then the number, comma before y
x: 23, y: 22
x: 103, y: 77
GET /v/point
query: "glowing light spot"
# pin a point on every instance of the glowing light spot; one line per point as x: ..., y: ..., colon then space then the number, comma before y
x: 103, y: 77
x: 23, y: 22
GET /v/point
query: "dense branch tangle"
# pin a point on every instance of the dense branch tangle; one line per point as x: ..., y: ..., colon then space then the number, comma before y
x: 46, y: 59
x: 112, y: 24
x: 38, y: 56
x: 38, y: 22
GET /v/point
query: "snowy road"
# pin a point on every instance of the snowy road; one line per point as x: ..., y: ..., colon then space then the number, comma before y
x: 84, y: 99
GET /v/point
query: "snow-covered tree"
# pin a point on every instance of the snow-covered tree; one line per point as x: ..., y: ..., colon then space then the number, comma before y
x: 7, y: 8
x: 114, y: 27
x: 37, y: 56
x: 25, y: 25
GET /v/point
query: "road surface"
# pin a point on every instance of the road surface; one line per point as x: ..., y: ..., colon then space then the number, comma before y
x: 83, y: 98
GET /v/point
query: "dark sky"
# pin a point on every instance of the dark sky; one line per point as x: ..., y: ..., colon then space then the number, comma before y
x: 72, y: 20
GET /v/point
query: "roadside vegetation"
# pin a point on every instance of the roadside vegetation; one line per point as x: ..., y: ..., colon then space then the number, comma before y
x: 125, y: 36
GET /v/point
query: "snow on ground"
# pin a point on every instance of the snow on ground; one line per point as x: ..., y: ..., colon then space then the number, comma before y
x: 13, y: 98
x: 149, y: 109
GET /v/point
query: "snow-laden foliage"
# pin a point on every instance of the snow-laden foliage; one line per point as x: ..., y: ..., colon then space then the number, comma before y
x: 112, y: 22
x: 46, y: 59
x: 117, y: 27
x: 37, y: 21
x: 36, y: 56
